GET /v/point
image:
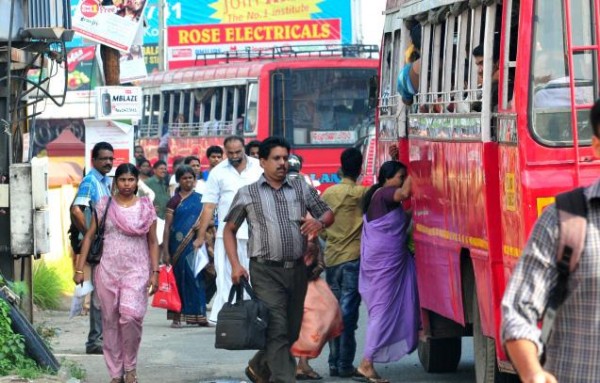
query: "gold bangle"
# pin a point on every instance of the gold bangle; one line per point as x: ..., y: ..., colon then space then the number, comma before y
x: 78, y: 272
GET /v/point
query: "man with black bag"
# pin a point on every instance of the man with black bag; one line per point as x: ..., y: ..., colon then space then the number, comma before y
x: 275, y: 207
x: 95, y: 185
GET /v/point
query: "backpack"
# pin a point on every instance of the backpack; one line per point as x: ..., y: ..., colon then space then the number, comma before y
x: 75, y: 235
x: 572, y: 216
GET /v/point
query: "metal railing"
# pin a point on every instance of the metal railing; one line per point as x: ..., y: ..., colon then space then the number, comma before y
x: 292, y: 51
x: 197, y: 129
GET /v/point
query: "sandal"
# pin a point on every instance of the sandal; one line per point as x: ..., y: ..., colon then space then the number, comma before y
x: 131, y: 377
x: 308, y: 375
x: 176, y: 325
x: 360, y: 377
x: 203, y: 322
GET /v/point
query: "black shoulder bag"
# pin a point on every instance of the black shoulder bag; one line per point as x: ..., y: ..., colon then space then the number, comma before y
x: 95, y: 252
x: 572, y: 217
x: 242, y: 325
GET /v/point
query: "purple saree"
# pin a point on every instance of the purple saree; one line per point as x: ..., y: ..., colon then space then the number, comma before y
x: 388, y: 287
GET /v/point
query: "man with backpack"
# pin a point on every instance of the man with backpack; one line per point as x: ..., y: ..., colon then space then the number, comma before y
x: 95, y: 185
x: 557, y: 280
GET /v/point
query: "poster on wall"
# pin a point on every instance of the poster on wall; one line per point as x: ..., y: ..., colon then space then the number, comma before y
x: 115, y: 26
x: 118, y: 103
x: 82, y: 68
x: 219, y: 26
x: 131, y: 63
x: 120, y: 136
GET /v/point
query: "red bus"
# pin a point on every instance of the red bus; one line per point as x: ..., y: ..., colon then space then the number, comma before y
x: 318, y: 99
x: 486, y: 152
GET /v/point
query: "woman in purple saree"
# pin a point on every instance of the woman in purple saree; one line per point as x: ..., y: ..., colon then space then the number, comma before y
x: 387, y: 281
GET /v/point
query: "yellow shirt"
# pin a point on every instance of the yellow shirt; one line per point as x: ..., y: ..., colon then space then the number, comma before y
x: 343, y: 237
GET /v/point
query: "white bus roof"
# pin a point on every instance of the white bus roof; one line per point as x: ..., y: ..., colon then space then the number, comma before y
x: 415, y: 7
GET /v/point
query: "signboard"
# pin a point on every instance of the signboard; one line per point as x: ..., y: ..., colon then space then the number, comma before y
x: 333, y: 137
x: 118, y: 102
x: 131, y: 63
x: 82, y: 68
x: 120, y: 136
x: 219, y: 26
x: 114, y: 26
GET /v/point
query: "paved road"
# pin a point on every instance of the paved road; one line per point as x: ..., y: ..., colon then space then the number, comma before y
x: 187, y: 355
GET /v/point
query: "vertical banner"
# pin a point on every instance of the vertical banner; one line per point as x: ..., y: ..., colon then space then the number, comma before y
x: 120, y: 136
x: 132, y: 64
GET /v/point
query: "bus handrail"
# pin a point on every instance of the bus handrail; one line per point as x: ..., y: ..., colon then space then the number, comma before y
x: 289, y: 51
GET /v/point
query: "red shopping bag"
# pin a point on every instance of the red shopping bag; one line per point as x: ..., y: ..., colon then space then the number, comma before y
x: 322, y: 320
x: 167, y: 296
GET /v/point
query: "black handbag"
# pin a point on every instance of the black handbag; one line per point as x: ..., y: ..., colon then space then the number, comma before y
x: 242, y: 325
x: 95, y: 252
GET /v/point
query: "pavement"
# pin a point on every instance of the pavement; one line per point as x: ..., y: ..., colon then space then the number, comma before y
x: 188, y: 355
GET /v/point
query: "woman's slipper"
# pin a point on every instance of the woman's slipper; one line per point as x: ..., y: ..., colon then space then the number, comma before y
x: 308, y: 375
x: 360, y: 377
x: 176, y: 325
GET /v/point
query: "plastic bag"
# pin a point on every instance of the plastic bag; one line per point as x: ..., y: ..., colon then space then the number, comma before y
x: 79, y: 297
x: 167, y: 296
x: 322, y: 320
x: 200, y: 259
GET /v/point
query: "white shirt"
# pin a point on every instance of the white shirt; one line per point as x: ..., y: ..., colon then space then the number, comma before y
x: 560, y: 96
x: 222, y: 185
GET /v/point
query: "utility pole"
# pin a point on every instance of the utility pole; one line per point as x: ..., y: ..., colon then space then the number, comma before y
x: 110, y: 64
x: 161, y: 35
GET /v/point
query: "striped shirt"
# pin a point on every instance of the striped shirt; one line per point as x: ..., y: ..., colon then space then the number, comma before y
x: 274, y: 217
x: 92, y: 188
x: 572, y: 352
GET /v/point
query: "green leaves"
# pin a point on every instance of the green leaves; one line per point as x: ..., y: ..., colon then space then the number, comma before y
x: 12, y: 348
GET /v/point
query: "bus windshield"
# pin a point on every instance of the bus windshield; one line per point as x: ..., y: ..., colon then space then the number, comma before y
x: 324, y: 106
x: 550, y: 89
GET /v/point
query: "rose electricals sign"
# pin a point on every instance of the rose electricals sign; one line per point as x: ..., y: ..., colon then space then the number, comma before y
x: 220, y: 26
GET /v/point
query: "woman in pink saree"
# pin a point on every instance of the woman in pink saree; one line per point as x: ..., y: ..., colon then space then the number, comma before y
x: 387, y: 279
x: 127, y: 273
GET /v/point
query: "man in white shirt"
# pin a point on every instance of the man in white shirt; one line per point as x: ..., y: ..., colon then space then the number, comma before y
x: 223, y: 183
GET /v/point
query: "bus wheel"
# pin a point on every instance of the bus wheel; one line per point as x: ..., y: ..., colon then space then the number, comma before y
x: 484, y: 348
x: 440, y: 354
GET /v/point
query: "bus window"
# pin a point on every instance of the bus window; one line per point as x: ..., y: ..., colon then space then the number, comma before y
x: 386, y: 71
x: 397, y: 55
x: 251, y: 110
x: 327, y: 106
x: 550, y: 89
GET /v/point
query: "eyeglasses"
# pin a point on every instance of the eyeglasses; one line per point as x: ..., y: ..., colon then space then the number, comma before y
x: 105, y: 159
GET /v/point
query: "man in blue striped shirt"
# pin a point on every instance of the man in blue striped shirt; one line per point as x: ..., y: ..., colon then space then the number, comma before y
x: 95, y: 185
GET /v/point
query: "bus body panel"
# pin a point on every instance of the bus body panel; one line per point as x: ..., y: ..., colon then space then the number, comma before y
x: 482, y: 199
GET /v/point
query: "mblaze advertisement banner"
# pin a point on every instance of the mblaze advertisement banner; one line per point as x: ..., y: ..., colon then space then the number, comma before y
x: 219, y: 26
x: 115, y: 26
x: 118, y: 103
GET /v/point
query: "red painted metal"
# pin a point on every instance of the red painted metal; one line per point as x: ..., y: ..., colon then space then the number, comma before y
x: 321, y: 163
x: 482, y: 199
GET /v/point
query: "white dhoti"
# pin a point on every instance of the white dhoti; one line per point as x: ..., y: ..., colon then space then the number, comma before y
x: 223, y: 270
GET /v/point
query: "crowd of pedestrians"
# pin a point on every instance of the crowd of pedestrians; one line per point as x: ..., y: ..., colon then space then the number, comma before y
x: 262, y: 219
x: 267, y: 223
x: 258, y: 215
